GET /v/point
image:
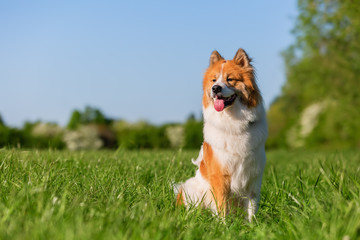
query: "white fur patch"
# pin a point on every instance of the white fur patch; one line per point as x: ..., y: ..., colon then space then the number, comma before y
x: 196, y: 191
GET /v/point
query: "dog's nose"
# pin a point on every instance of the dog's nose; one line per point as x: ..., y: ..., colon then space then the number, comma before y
x: 216, y: 88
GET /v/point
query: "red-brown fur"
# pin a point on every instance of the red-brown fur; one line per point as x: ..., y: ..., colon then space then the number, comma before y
x: 218, y: 177
x: 180, y: 198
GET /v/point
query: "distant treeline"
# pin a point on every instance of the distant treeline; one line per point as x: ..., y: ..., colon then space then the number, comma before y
x: 318, y: 106
x: 91, y: 129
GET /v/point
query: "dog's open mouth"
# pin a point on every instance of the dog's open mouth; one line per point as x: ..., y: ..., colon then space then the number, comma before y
x: 222, y: 102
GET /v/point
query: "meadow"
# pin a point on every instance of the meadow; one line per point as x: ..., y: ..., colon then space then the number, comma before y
x: 128, y: 195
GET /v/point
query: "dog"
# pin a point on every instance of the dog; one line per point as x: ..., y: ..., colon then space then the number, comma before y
x: 232, y: 157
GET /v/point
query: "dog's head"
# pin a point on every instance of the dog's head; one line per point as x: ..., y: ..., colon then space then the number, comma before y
x: 228, y: 81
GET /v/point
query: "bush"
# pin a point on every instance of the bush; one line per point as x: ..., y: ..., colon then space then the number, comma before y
x: 85, y: 137
x: 193, y: 134
x: 175, y: 134
x: 143, y: 136
x: 13, y: 137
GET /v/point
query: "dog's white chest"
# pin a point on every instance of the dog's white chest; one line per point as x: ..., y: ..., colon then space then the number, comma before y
x: 235, y: 154
x: 239, y: 147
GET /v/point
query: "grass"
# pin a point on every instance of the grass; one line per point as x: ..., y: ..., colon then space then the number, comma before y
x: 127, y: 195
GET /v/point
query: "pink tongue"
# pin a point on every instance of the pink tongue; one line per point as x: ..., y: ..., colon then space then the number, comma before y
x: 219, y: 104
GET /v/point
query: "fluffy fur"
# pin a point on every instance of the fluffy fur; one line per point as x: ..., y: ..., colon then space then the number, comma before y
x: 232, y: 158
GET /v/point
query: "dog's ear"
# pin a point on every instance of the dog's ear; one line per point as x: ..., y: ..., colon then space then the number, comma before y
x: 241, y: 58
x: 215, y: 57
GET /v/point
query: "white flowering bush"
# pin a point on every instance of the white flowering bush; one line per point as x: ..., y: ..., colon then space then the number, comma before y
x: 85, y: 137
x: 175, y: 134
x: 309, y: 119
x: 46, y: 130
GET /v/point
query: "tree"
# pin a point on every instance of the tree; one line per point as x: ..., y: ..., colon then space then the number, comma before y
x: 90, y: 115
x: 322, y: 66
x: 93, y: 115
x: 1, y: 121
x: 75, y: 120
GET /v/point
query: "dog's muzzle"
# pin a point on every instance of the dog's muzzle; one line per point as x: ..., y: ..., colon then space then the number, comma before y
x: 216, y: 89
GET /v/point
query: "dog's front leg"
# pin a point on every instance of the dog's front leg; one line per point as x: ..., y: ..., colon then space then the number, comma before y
x: 252, y: 206
x: 220, y: 190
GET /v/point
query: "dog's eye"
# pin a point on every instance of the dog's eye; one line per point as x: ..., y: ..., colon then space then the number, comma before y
x: 214, y: 80
x: 229, y: 79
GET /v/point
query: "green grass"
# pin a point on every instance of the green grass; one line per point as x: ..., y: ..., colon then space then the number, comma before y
x: 127, y: 195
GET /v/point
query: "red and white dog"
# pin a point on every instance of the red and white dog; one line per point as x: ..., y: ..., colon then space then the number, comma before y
x: 232, y: 158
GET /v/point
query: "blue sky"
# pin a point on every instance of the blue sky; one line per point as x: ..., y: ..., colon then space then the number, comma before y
x: 134, y: 60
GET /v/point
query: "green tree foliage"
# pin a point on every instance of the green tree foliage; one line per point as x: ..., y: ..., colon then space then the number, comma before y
x: 323, y: 65
x: 1, y: 121
x: 89, y: 115
x: 93, y: 115
x: 75, y: 120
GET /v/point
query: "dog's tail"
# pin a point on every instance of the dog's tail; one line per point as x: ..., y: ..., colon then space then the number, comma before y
x: 199, y: 158
x: 176, y: 187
